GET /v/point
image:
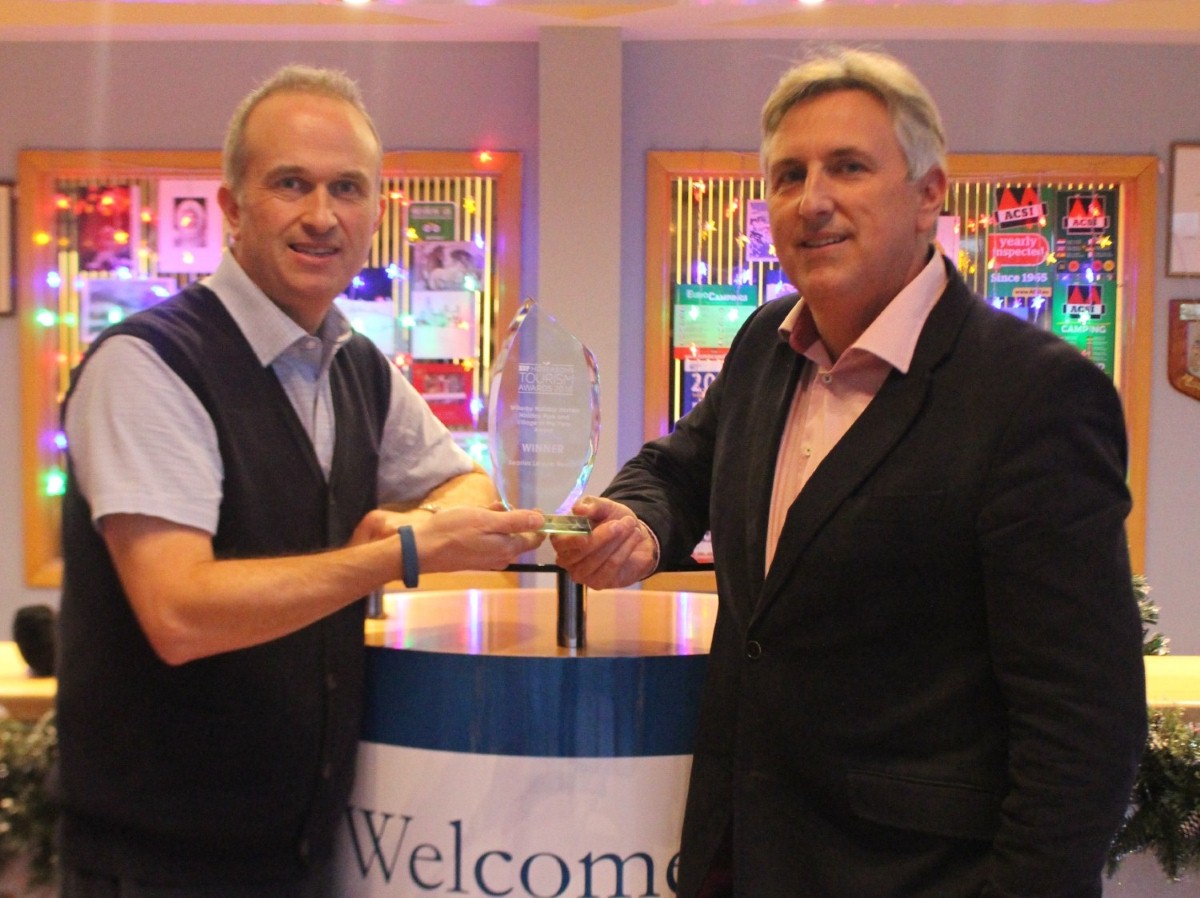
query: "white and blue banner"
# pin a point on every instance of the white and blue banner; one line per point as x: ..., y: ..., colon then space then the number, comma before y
x: 522, y: 777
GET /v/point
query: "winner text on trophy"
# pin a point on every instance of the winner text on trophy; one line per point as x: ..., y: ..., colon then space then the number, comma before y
x: 543, y: 419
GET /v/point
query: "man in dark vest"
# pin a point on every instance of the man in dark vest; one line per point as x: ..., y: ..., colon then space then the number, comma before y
x: 229, y: 452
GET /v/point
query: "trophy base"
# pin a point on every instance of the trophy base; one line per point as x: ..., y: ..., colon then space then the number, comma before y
x: 566, y: 523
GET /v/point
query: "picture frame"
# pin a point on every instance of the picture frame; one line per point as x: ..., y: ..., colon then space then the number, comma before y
x: 8, y: 248
x: 369, y: 304
x: 447, y: 265
x: 1183, y: 346
x: 190, y: 226
x: 447, y: 389
x: 1183, y: 214
x: 445, y: 324
x: 106, y: 300
x: 108, y: 227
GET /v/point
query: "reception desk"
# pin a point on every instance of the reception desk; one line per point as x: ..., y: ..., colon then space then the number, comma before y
x: 495, y: 762
x: 1174, y: 681
x: 23, y: 695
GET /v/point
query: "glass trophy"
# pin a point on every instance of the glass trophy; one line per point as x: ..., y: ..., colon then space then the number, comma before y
x: 543, y: 419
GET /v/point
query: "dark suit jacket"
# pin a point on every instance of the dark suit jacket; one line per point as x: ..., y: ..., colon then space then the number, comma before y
x: 937, y: 690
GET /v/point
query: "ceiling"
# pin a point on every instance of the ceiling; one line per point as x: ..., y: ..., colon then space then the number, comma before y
x: 1157, y: 21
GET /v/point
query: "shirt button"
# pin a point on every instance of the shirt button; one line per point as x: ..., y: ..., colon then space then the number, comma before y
x: 808, y: 451
x: 826, y: 378
x: 753, y: 649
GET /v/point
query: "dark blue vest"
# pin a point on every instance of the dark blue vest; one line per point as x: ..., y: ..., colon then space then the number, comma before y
x: 236, y: 766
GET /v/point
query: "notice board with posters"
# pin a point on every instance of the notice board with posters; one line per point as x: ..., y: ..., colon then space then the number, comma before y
x: 1066, y: 242
x: 102, y: 235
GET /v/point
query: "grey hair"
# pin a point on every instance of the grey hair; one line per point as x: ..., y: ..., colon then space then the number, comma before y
x: 300, y: 79
x: 915, y: 117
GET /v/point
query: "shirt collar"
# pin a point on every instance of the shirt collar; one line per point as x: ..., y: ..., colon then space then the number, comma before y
x: 892, y: 336
x: 267, y: 328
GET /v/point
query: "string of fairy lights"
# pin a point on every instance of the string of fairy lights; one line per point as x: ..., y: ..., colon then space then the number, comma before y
x: 712, y: 244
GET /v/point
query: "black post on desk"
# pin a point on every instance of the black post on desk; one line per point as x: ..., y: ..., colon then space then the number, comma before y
x: 572, y: 604
x: 572, y: 599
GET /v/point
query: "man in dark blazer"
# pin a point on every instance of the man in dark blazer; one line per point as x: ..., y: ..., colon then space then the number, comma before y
x: 926, y: 677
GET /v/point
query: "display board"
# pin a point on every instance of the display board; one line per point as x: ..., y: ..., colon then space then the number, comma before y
x: 1065, y: 242
x: 102, y: 235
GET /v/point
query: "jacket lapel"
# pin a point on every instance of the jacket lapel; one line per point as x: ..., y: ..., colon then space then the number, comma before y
x: 784, y: 374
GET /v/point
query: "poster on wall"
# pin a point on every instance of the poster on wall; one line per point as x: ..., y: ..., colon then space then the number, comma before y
x: 190, y: 226
x: 447, y: 265
x: 947, y: 236
x: 443, y: 324
x: 1019, y: 259
x: 368, y: 304
x: 447, y: 390
x: 1085, y: 315
x: 108, y: 227
x: 696, y: 377
x: 106, y: 301
x: 759, y: 245
x: 1085, y: 240
x: 707, y: 316
x: 430, y: 221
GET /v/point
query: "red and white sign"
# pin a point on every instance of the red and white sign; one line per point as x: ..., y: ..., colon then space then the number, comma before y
x: 1085, y: 214
x: 1008, y: 250
x: 1013, y: 211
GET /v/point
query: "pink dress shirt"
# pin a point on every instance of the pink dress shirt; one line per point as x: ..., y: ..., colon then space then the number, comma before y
x: 831, y: 395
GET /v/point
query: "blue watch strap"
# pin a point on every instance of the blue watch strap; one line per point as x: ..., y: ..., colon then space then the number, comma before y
x: 409, y: 565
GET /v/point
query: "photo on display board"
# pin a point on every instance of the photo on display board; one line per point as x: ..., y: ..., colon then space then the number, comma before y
x: 190, y: 226
x: 107, y: 301
x: 444, y: 324
x: 107, y: 225
x: 447, y: 265
x: 447, y: 389
x: 759, y: 245
x: 368, y: 304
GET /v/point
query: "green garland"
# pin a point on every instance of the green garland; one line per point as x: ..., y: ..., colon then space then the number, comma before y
x: 27, y: 815
x: 1165, y: 814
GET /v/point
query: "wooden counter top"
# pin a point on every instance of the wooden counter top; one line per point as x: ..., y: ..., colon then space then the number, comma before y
x: 523, y: 622
x: 24, y: 696
x: 1173, y: 680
